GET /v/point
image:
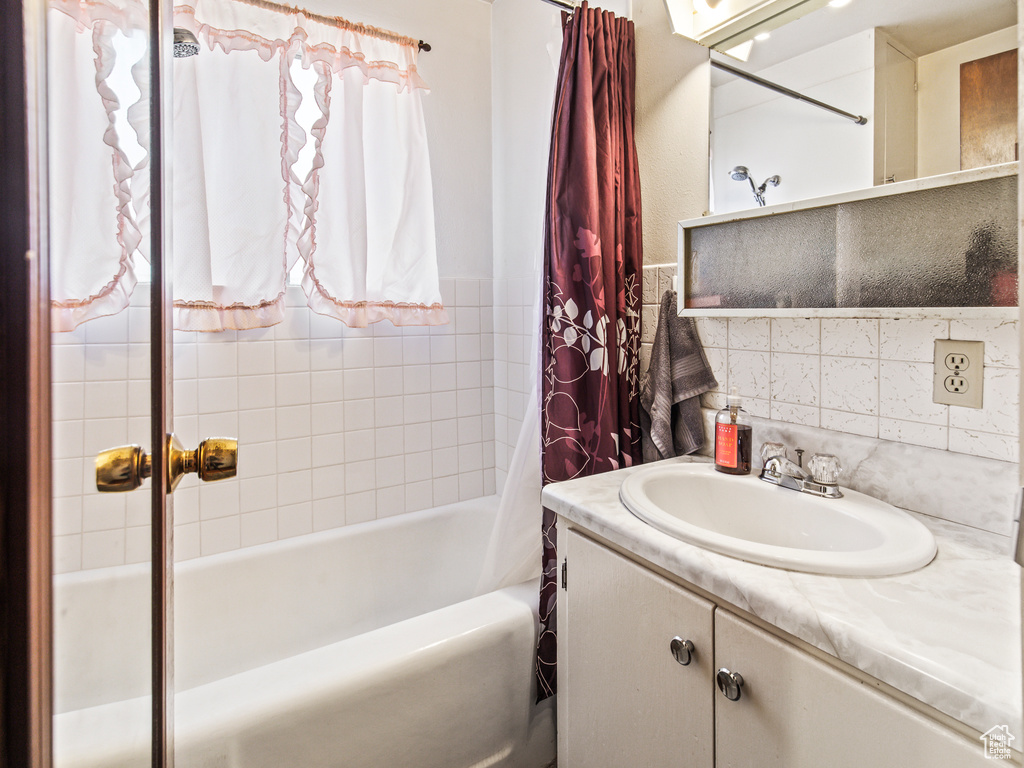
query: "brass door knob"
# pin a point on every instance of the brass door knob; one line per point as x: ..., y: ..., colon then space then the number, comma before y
x: 216, y: 458
x: 124, y: 468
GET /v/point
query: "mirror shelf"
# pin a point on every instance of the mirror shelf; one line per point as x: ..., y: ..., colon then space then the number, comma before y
x: 943, y: 246
x: 863, y: 313
x: 869, y: 193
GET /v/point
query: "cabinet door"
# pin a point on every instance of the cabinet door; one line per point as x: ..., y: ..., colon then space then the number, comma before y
x: 796, y: 711
x: 623, y: 698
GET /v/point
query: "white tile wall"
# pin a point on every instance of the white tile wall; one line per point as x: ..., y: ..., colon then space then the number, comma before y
x: 515, y: 329
x: 866, y: 377
x: 336, y: 425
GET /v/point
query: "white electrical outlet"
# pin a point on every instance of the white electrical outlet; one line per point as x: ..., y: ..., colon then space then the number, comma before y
x: 959, y: 372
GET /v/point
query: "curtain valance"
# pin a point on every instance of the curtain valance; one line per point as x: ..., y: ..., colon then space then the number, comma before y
x: 242, y: 25
x: 297, y: 137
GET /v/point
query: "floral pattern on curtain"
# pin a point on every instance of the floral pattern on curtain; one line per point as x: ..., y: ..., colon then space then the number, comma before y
x: 357, y: 209
x: 593, y: 258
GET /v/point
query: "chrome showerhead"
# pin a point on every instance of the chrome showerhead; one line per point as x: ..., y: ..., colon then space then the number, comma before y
x: 740, y: 173
x: 185, y: 43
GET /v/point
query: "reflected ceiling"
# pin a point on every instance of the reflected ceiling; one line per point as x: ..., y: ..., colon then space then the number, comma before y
x: 923, y: 26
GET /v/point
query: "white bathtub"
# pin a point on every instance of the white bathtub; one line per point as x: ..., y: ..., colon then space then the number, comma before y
x: 361, y: 646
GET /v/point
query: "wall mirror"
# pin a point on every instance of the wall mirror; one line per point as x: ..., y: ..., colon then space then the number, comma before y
x: 927, y: 75
x: 945, y: 246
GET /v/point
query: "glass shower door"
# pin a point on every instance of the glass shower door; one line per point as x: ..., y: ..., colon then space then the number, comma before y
x: 99, y: 182
x: 116, y: 459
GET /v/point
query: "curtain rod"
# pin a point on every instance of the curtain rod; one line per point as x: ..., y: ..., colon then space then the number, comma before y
x: 858, y: 119
x: 338, y: 21
x: 562, y: 4
x: 425, y: 46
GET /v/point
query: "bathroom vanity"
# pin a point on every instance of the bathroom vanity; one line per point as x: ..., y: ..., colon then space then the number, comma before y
x: 670, y: 654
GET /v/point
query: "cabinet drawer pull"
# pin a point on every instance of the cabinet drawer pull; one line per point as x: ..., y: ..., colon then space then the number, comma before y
x: 729, y: 683
x: 682, y: 650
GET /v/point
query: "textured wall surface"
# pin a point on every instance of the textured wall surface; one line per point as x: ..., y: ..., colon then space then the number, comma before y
x: 864, y: 377
x: 673, y: 112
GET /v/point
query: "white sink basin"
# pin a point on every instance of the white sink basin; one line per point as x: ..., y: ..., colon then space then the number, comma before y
x: 747, y: 518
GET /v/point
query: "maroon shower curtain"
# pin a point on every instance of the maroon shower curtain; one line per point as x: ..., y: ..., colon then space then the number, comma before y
x: 590, y: 410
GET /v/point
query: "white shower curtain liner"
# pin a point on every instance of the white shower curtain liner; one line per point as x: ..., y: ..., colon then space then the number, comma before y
x: 514, y: 550
x: 361, y: 218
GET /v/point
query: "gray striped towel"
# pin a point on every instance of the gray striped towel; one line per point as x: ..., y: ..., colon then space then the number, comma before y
x: 670, y: 416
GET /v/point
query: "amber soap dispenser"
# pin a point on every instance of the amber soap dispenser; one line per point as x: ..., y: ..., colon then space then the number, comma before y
x: 733, y: 437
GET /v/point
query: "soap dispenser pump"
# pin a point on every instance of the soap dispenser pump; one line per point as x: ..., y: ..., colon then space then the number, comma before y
x: 733, y: 437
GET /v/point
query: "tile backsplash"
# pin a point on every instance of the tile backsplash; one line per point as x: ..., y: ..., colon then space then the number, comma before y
x: 336, y: 425
x: 870, y: 377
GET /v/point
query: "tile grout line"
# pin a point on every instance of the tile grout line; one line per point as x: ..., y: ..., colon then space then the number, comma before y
x: 949, y: 419
x: 821, y: 375
x: 878, y: 378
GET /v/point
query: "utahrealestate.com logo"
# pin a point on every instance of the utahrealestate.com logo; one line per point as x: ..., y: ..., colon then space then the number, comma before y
x: 997, y: 743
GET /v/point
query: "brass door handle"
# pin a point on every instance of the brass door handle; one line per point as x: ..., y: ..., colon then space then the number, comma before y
x: 125, y: 467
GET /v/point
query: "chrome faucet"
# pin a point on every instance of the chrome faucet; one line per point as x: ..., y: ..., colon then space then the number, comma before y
x: 822, y: 480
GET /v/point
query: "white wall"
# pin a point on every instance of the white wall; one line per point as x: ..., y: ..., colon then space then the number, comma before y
x: 938, y: 102
x: 815, y: 152
x: 673, y: 95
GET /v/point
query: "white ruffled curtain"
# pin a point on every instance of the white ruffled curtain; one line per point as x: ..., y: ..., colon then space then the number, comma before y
x: 95, y: 234
x: 360, y: 218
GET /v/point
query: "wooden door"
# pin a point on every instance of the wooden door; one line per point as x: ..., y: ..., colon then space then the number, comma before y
x: 988, y: 110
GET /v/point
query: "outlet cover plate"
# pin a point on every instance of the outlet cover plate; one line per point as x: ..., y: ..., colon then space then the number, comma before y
x: 959, y: 372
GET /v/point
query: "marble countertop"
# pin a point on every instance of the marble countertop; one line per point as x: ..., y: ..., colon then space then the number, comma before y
x: 947, y: 634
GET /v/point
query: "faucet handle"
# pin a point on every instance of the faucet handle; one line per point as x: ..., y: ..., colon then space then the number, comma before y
x: 772, y: 450
x: 825, y: 468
